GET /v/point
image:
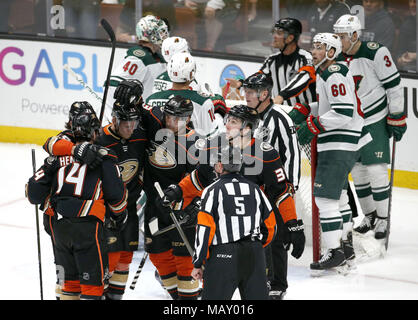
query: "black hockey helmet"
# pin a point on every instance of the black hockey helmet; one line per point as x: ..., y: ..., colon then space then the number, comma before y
x: 126, y: 112
x: 291, y: 25
x: 249, y: 116
x: 85, y: 124
x: 76, y: 108
x: 258, y: 81
x: 229, y: 156
x: 179, y: 107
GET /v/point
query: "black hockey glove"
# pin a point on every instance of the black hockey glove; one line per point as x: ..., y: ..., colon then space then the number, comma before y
x: 294, y: 236
x: 116, y: 222
x: 129, y: 91
x: 90, y: 154
x: 190, y: 213
x: 171, y: 194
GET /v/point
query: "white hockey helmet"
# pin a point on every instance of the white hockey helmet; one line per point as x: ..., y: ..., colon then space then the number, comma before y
x: 152, y: 29
x: 182, y: 67
x: 331, y: 40
x: 348, y: 24
x: 172, y: 46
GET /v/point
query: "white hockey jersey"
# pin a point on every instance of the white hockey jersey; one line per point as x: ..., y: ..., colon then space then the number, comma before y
x: 377, y: 81
x: 338, y: 109
x: 139, y: 63
x: 203, y: 117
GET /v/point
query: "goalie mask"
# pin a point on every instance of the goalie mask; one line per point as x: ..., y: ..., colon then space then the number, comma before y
x: 331, y: 41
x: 152, y: 29
x: 84, y: 125
x: 182, y: 67
x: 173, y: 45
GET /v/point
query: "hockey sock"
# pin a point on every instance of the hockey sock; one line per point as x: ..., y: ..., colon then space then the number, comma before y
x: 117, y: 281
x: 363, y: 188
x: 166, y: 266
x: 346, y: 214
x: 71, y: 290
x: 188, y: 288
x: 331, y: 222
x: 90, y: 292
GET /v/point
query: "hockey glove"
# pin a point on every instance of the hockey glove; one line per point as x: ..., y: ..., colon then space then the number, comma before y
x: 300, y: 112
x: 117, y: 222
x: 129, y: 91
x: 190, y: 212
x: 294, y: 236
x: 396, y: 125
x: 90, y: 154
x: 309, y: 129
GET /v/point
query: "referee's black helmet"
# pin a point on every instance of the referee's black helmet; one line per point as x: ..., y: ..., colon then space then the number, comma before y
x: 291, y: 25
x: 259, y: 81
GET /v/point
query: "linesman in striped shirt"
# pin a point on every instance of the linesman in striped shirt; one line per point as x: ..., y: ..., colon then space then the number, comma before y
x: 235, y: 222
x: 291, y: 68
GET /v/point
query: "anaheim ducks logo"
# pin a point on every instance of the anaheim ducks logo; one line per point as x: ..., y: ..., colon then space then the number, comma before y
x: 160, y: 157
x: 128, y: 169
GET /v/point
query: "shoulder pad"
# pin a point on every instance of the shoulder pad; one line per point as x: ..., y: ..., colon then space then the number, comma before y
x: 373, y: 45
x: 265, y: 146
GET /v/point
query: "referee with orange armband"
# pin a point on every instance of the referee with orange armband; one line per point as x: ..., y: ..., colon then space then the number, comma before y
x: 235, y: 222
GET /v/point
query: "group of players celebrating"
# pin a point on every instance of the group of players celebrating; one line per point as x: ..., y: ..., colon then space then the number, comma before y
x: 166, y: 128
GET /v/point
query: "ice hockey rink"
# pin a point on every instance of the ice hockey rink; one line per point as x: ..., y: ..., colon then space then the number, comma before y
x: 392, y: 277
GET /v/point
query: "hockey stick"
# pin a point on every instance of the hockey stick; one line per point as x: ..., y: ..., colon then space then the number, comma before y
x: 138, y: 272
x: 111, y: 34
x: 156, y: 232
x: 37, y: 232
x: 392, y: 173
x: 176, y: 223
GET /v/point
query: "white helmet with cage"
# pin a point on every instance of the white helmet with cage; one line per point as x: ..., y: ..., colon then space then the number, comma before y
x: 172, y: 46
x: 152, y: 29
x: 182, y: 67
x: 348, y: 24
x: 330, y: 40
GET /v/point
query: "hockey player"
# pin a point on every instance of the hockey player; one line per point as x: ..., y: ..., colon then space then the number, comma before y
x: 79, y: 196
x: 235, y: 222
x: 142, y: 62
x: 339, y: 127
x: 168, y: 161
x: 181, y: 70
x: 278, y: 129
x: 261, y: 165
x: 128, y: 141
x: 170, y: 47
x: 378, y: 87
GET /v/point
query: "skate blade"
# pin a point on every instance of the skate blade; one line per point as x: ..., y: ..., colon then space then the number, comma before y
x: 340, y: 270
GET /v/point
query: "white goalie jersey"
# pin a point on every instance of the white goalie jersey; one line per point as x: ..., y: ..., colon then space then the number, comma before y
x: 377, y: 81
x: 338, y: 109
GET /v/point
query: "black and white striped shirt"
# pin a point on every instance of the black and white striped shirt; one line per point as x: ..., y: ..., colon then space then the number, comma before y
x: 289, y: 81
x: 278, y: 129
x: 232, y: 208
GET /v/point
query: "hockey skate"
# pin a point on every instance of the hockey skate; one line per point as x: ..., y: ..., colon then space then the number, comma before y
x: 380, y: 230
x: 333, y: 261
x: 349, y: 253
x: 367, y: 223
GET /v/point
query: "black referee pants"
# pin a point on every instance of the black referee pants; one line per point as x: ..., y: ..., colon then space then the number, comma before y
x: 235, y: 265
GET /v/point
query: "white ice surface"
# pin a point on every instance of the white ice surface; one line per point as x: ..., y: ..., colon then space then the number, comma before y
x: 392, y: 277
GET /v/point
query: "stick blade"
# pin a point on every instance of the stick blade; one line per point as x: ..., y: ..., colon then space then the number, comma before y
x: 108, y: 28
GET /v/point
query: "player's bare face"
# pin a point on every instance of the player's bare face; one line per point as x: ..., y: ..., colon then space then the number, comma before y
x: 126, y: 128
x: 233, y: 127
x: 176, y: 124
x: 318, y: 52
x: 345, y: 41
